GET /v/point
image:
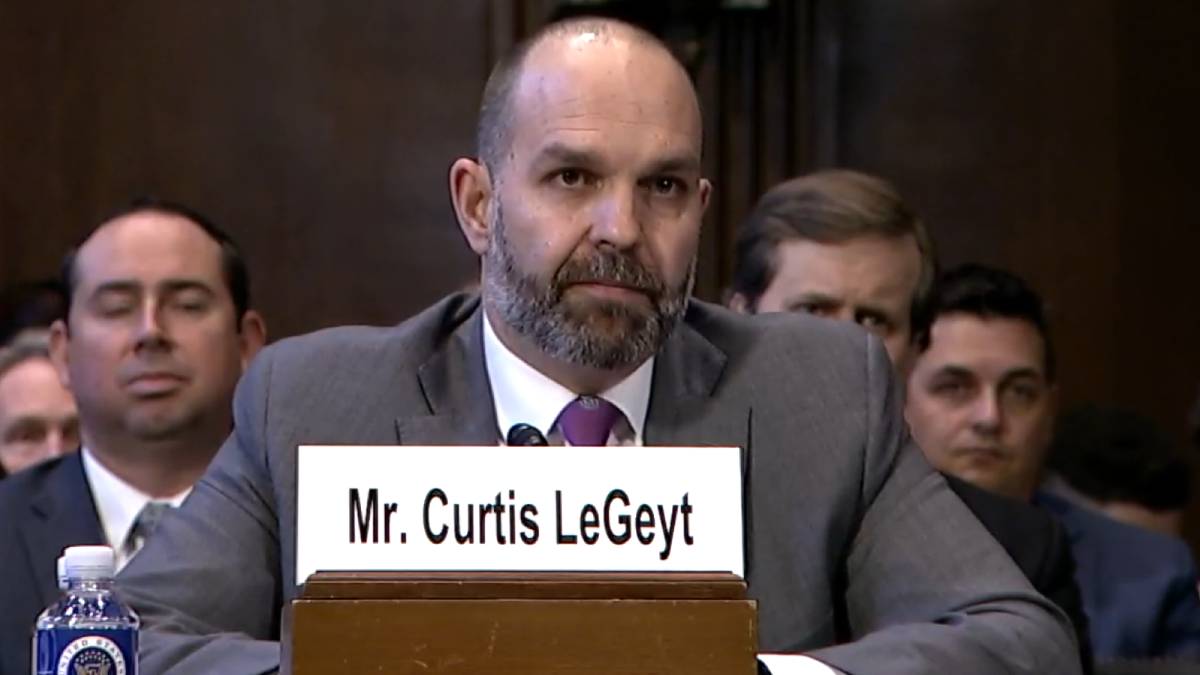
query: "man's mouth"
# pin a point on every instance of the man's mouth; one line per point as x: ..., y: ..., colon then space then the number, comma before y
x: 154, y: 383
x: 986, y: 453
x: 610, y: 289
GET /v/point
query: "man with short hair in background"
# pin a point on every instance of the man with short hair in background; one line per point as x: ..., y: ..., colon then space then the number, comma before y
x: 844, y: 245
x: 838, y: 244
x: 981, y: 402
x: 38, y: 420
x: 157, y: 333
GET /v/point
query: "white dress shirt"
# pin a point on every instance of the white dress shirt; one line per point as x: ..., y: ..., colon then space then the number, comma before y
x: 522, y: 394
x: 118, y: 504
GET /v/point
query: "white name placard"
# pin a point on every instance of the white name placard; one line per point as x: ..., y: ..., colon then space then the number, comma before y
x: 518, y: 508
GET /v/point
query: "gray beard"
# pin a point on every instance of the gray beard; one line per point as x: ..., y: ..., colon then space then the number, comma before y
x: 594, y: 333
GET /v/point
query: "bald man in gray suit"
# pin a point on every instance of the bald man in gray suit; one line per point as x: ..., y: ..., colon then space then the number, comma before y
x: 584, y: 207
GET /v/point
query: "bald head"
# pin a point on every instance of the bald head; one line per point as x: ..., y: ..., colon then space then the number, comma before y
x: 587, y: 42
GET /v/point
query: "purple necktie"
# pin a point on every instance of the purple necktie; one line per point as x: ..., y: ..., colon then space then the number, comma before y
x: 588, y: 420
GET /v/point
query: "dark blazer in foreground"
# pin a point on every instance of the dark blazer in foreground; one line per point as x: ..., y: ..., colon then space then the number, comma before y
x: 43, y: 510
x: 850, y: 533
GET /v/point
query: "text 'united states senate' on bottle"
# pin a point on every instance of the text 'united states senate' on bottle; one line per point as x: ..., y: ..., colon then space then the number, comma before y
x: 89, y: 631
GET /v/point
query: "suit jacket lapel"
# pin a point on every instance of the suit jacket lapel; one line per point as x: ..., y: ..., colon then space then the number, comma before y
x: 61, y: 513
x: 683, y: 410
x: 457, y: 392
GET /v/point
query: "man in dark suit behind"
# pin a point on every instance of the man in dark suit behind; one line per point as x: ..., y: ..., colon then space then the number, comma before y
x: 157, y: 334
x: 844, y: 245
x: 981, y: 401
x: 585, y: 207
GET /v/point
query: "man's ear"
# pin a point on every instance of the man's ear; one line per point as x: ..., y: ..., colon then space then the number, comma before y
x: 251, y: 336
x: 58, y: 351
x: 739, y: 303
x: 705, y: 194
x: 471, y: 195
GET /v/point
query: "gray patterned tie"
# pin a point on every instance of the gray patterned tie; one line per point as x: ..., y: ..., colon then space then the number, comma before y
x: 143, y: 526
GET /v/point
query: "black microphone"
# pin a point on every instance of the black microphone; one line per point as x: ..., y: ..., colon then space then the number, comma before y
x: 525, y: 434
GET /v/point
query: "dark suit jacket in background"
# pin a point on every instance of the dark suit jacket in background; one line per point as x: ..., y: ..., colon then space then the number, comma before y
x: 1139, y: 587
x: 1039, y: 546
x: 850, y: 534
x: 43, y: 510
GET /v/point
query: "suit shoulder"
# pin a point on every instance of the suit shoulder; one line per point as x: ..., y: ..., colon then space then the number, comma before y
x: 16, y: 489
x: 1138, y: 548
x: 802, y: 339
x: 345, y: 348
x: 792, y: 332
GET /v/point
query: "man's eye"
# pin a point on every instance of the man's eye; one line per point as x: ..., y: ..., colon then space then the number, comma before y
x: 570, y: 177
x: 1024, y: 394
x: 813, y: 308
x: 870, y: 321
x: 190, y: 305
x: 953, y: 390
x: 114, y: 308
x: 29, y: 433
x: 666, y: 186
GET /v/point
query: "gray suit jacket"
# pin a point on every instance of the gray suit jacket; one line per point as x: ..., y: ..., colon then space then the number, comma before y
x: 850, y: 535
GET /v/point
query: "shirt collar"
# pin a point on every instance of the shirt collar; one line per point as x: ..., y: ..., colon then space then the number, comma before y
x: 117, y: 502
x: 521, y: 393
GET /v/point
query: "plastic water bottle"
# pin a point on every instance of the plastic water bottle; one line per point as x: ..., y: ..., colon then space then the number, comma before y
x: 89, y: 631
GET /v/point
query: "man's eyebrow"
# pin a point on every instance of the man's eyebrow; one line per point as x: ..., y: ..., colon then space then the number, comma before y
x: 122, y: 286
x: 951, y: 370
x: 566, y: 154
x: 812, y: 298
x: 1022, y: 372
x: 677, y: 164
x: 569, y: 155
x: 872, y: 310
x: 19, y: 424
x: 177, y: 285
x: 131, y: 287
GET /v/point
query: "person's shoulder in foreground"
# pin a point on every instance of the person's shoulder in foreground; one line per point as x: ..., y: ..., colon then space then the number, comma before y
x: 830, y: 461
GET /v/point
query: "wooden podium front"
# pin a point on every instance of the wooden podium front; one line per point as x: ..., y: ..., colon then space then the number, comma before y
x: 510, y: 623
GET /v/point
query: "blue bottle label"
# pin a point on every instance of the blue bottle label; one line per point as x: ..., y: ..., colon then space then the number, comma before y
x: 68, y: 651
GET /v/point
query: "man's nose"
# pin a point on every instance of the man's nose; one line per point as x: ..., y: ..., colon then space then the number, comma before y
x: 57, y: 444
x: 987, y: 415
x: 151, y: 329
x: 615, y: 220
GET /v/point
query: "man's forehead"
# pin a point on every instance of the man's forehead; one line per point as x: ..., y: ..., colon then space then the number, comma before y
x: 147, y: 247
x: 863, y: 268
x: 985, y: 345
x: 33, y: 371
x: 565, y: 87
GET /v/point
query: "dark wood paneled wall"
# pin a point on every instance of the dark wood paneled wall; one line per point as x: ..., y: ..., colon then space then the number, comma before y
x: 318, y: 133
x: 997, y: 120
x: 1058, y: 140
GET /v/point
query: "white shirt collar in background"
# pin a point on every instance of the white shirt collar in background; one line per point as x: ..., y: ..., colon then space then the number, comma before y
x: 117, y: 503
